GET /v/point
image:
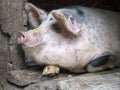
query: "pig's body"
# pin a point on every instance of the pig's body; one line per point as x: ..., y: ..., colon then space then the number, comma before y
x: 95, y: 33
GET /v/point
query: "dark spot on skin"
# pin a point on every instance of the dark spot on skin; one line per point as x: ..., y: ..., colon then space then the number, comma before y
x: 66, y: 14
x: 97, y: 31
x: 80, y: 12
x: 72, y: 20
x: 100, y: 36
x: 89, y: 39
x: 95, y: 38
x: 111, y: 45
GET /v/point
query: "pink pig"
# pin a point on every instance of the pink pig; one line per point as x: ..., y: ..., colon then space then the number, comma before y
x: 76, y: 38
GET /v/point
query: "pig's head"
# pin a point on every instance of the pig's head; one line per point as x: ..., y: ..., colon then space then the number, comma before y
x: 53, y: 30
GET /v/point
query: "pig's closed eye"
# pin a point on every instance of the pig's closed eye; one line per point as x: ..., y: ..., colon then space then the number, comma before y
x: 51, y: 19
x: 56, y: 28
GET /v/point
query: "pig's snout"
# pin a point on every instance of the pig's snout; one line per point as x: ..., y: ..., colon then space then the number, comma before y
x: 30, y: 38
x: 22, y: 37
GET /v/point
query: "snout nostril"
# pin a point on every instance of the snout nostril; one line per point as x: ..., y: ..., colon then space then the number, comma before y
x: 22, y: 34
x: 22, y: 37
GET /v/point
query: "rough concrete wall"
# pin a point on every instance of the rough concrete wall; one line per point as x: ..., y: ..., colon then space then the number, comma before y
x: 11, y: 22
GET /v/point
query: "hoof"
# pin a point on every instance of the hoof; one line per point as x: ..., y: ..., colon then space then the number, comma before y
x: 50, y: 70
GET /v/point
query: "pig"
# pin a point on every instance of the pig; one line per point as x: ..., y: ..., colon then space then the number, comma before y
x: 79, y: 39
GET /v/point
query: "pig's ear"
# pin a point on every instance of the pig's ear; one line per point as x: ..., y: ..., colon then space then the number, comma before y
x: 35, y: 15
x: 68, y: 22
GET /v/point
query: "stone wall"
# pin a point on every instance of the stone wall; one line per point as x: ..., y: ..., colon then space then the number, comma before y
x: 11, y: 22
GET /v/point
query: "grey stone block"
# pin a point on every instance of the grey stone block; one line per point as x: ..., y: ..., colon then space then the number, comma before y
x: 32, y: 80
x: 109, y: 80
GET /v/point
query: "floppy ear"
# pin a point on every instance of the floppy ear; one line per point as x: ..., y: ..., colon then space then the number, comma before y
x: 68, y: 22
x: 35, y: 15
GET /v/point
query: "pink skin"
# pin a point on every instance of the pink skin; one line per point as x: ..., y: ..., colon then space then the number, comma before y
x: 29, y: 39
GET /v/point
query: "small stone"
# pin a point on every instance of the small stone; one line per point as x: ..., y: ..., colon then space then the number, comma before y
x: 11, y: 87
x: 69, y: 75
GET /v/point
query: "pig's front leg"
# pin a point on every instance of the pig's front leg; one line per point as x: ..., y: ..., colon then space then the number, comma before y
x: 50, y: 70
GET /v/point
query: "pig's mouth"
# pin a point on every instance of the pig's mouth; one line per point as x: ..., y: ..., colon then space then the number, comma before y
x: 28, y: 40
